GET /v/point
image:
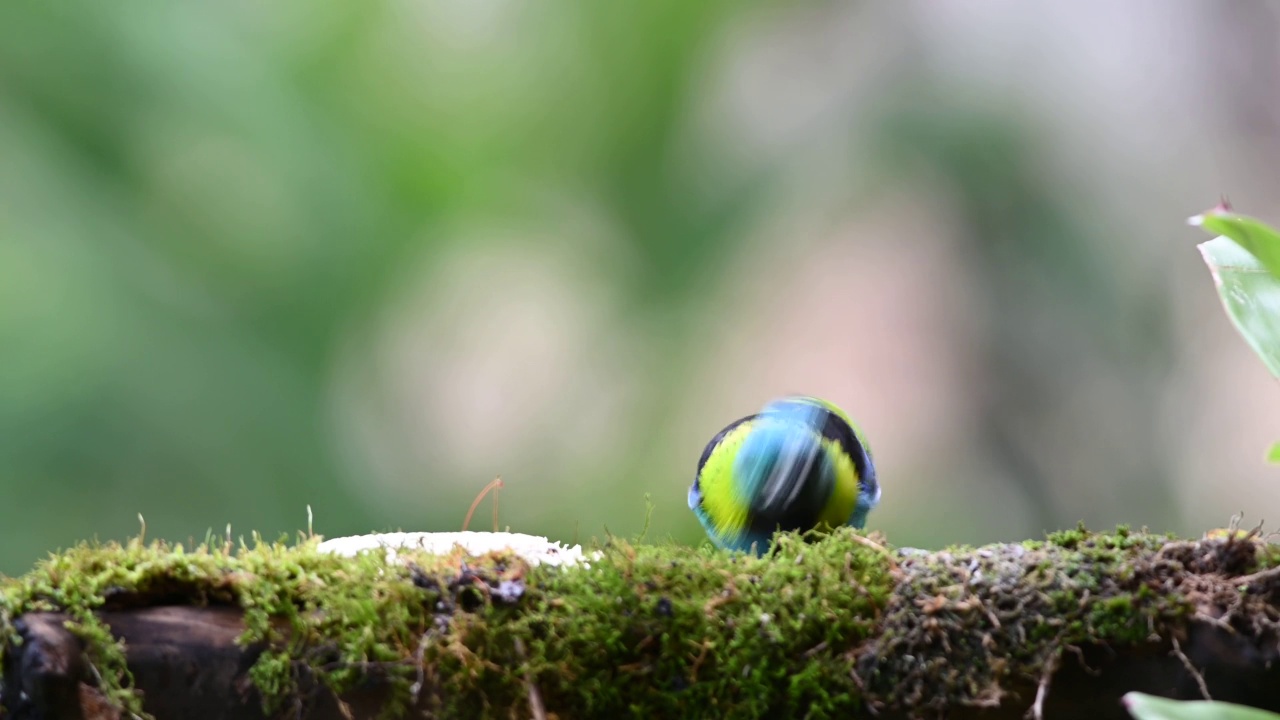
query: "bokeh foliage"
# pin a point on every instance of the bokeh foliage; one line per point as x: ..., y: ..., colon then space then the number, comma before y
x: 207, y: 212
x: 201, y: 201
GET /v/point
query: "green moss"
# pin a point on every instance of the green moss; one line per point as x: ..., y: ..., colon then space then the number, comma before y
x: 701, y: 628
x: 1268, y: 555
x: 815, y: 629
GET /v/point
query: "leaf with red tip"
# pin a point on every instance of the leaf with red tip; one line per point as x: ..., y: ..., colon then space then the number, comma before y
x: 1250, y: 295
x: 1259, y: 239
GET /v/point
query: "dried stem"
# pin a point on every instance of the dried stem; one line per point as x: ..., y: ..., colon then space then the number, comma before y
x: 494, y: 486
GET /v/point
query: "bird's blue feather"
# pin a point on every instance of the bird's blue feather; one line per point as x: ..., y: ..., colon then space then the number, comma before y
x: 784, y: 441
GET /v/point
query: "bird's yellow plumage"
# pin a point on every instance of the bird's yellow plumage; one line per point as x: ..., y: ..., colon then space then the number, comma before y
x: 845, y: 494
x: 723, y: 498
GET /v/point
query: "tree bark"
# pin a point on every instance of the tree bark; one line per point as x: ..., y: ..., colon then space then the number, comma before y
x: 187, y: 665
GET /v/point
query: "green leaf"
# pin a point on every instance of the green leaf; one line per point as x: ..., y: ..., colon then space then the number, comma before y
x: 1250, y: 294
x: 1273, y: 453
x: 1259, y: 239
x: 1150, y: 707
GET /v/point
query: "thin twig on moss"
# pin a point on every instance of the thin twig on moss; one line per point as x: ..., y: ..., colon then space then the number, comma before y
x: 536, y: 708
x: 1042, y: 690
x: 1186, y: 662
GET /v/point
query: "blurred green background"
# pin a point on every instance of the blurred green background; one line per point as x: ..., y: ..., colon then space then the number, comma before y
x: 367, y: 256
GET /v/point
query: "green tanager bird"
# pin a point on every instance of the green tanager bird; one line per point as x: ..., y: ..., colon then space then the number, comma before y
x: 799, y: 464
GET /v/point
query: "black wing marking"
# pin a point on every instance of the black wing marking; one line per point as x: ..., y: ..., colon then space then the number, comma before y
x: 837, y: 430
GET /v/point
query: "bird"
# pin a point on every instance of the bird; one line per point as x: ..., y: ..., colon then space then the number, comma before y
x: 800, y: 463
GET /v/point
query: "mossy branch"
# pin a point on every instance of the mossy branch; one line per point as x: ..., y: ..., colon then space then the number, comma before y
x: 832, y: 628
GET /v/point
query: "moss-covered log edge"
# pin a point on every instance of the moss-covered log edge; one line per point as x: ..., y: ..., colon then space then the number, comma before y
x: 818, y: 628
